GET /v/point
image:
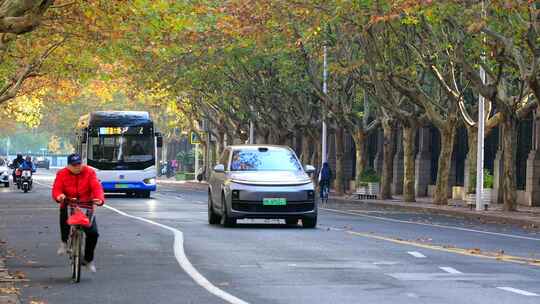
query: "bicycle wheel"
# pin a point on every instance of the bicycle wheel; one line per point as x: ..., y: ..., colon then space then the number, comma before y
x: 76, y: 256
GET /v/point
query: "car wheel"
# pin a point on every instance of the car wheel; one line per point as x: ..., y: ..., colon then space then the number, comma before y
x: 144, y: 194
x: 226, y: 221
x: 6, y: 185
x: 291, y: 222
x: 213, y: 217
x: 309, y: 222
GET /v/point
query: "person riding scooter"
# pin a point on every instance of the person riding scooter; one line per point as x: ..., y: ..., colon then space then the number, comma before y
x: 24, y: 174
x: 27, y: 164
x: 17, y: 162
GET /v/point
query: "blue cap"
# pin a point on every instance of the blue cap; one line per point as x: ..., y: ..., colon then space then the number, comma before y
x: 74, y: 159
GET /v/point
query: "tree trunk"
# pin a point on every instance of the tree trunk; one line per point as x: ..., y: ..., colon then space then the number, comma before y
x: 340, y: 178
x: 306, y: 144
x: 388, y: 160
x: 472, y: 134
x: 509, y: 163
x: 221, y: 145
x: 361, y: 157
x: 445, y: 160
x: 409, y: 135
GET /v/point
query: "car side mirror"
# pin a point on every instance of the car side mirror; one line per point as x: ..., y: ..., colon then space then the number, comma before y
x: 309, y: 169
x: 219, y: 168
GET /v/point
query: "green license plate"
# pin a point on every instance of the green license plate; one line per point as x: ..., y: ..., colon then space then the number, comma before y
x: 121, y: 186
x: 274, y: 202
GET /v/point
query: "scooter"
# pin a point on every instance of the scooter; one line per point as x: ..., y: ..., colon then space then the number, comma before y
x: 25, y: 180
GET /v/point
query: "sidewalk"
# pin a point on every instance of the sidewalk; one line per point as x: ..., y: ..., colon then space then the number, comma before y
x: 525, y: 216
x: 9, y: 294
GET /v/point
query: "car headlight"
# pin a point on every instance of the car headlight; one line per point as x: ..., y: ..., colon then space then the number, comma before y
x: 150, y: 181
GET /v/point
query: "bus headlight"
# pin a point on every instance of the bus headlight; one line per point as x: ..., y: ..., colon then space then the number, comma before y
x: 150, y: 181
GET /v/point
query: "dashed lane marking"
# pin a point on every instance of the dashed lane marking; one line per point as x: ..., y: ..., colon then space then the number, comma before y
x: 451, y: 270
x: 417, y: 254
x: 461, y: 251
x: 519, y: 291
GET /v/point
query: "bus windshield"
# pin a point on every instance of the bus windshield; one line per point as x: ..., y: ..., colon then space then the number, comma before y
x: 121, y: 148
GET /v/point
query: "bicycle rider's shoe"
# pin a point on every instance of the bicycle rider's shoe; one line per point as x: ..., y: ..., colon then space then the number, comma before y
x: 62, y: 250
x: 90, y: 266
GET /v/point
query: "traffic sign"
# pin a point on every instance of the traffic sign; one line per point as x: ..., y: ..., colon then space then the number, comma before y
x: 194, y: 138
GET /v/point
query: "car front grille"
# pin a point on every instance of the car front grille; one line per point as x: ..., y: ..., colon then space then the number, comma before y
x: 256, y: 207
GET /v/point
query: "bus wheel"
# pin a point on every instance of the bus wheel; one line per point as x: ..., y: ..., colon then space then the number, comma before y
x: 144, y: 194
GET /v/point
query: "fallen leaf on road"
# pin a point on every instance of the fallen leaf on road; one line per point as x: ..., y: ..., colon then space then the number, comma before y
x: 475, y: 251
x: 9, y: 290
x: 19, y: 275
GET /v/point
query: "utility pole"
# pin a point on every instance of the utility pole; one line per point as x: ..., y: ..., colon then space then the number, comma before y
x: 480, y: 143
x: 207, y: 164
x: 251, y: 132
x: 324, y: 154
x: 196, y: 160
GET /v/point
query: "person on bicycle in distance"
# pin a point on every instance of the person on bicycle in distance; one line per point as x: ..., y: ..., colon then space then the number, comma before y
x: 78, y: 182
x: 324, y: 178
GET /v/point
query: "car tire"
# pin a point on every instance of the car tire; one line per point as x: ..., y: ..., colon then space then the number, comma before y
x: 144, y: 194
x: 226, y: 221
x: 6, y: 185
x: 309, y: 222
x: 213, y: 217
x: 291, y: 222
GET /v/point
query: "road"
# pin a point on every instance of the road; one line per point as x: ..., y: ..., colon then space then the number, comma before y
x: 161, y: 250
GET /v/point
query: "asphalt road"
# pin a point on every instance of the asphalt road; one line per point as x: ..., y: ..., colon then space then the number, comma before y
x: 371, y: 256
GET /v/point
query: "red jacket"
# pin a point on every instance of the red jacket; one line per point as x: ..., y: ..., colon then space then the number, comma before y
x: 84, y: 186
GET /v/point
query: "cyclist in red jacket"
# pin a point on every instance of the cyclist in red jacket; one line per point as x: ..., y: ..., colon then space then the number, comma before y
x: 79, y: 182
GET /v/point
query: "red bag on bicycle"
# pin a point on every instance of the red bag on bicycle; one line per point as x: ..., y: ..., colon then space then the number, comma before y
x: 79, y: 218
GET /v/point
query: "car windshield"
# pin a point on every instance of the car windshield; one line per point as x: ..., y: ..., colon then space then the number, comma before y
x: 264, y: 160
x: 121, y: 148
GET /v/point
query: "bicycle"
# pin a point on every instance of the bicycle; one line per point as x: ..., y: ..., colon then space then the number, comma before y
x: 76, y: 240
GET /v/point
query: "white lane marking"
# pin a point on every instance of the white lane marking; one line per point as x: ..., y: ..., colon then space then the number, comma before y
x: 451, y: 270
x: 434, y: 225
x: 519, y: 291
x: 184, y: 262
x: 416, y: 254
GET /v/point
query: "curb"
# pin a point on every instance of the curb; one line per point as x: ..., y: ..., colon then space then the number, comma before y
x: 501, y: 219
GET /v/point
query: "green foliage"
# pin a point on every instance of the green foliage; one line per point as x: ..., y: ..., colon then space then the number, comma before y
x: 185, y: 176
x: 369, y: 176
x: 488, y: 180
x: 186, y: 158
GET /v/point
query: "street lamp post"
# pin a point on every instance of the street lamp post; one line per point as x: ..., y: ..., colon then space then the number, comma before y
x: 324, y: 155
x: 480, y: 142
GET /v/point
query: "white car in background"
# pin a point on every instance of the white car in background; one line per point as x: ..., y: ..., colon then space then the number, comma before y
x: 5, y: 172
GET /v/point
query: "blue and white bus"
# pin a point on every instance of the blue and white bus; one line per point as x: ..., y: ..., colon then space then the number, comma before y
x: 122, y: 147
